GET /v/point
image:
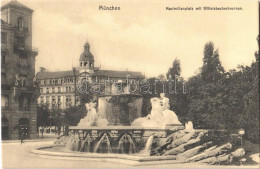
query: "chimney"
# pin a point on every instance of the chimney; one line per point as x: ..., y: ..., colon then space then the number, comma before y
x: 42, y: 69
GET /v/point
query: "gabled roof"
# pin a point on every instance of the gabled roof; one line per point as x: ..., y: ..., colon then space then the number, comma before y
x: 15, y: 4
x: 54, y: 75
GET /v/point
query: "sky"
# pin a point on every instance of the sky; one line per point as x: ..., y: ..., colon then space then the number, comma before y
x: 142, y: 36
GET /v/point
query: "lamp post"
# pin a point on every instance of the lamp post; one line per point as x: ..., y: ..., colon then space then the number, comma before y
x: 241, y: 133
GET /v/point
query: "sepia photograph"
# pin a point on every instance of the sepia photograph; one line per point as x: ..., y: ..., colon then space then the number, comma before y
x: 130, y: 84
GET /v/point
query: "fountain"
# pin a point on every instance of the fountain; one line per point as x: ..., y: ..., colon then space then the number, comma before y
x: 118, y: 128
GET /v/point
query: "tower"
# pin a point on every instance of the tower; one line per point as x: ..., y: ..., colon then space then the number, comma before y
x: 86, y: 60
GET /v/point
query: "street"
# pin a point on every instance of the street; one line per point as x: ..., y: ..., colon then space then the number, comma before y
x: 15, y: 155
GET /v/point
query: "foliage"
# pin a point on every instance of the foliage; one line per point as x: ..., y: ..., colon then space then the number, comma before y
x: 175, y: 70
x: 224, y: 100
x: 74, y: 114
x: 43, y: 116
x: 216, y: 99
x: 212, y: 69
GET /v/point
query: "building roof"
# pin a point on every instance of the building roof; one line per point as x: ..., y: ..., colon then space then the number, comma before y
x: 86, y: 56
x: 54, y: 75
x: 121, y: 74
x: 15, y: 4
x: 104, y: 73
x: 3, y: 22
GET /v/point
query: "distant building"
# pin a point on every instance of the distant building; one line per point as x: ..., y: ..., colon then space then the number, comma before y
x: 58, y: 88
x: 18, y: 97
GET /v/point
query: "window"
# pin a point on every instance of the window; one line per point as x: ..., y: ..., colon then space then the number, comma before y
x: 59, y: 102
x: 4, y: 101
x: 3, y: 57
x: 47, y: 90
x: 42, y: 82
x: 41, y: 100
x: 53, y: 90
x: 68, y: 101
x: 53, y: 101
x: 20, y: 41
x: 47, y: 99
x: 59, y: 90
x: 41, y: 90
x: 59, y: 81
x: 23, y: 62
x: 53, y: 81
x: 20, y: 23
x: 48, y: 82
x: 24, y: 102
x: 4, y: 37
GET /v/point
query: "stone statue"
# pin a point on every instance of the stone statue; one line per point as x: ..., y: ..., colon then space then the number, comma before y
x: 169, y: 117
x: 92, y: 118
x: 160, y: 115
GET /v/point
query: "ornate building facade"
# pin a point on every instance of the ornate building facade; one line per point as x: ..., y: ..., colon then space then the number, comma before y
x: 18, y: 93
x: 58, y: 88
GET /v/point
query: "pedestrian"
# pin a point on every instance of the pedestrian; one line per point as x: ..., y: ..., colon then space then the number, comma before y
x: 22, y: 137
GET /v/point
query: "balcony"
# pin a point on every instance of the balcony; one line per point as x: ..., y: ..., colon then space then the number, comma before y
x: 21, y: 47
x: 21, y: 31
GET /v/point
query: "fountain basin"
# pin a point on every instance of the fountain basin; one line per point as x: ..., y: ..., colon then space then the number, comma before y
x: 119, y: 139
x: 57, y: 152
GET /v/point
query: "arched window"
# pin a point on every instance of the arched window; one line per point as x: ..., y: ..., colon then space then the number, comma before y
x: 85, y: 63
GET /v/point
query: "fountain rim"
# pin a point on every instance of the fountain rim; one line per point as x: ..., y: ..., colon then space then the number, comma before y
x: 112, y: 157
x: 170, y: 127
x: 122, y: 95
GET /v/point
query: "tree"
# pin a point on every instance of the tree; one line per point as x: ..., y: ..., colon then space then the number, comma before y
x: 57, y: 118
x: 74, y: 114
x: 43, y: 113
x: 175, y: 70
x: 205, y: 98
x: 212, y: 69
